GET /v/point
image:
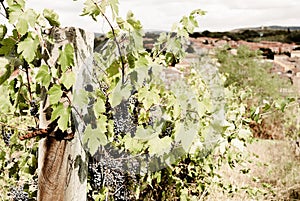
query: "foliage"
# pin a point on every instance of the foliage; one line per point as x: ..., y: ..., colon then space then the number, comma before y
x: 246, y: 70
x: 270, y: 94
x: 175, y: 133
x: 24, y: 79
x: 18, y: 160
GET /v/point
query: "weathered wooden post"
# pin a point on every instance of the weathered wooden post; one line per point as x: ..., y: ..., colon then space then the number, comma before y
x: 62, y: 162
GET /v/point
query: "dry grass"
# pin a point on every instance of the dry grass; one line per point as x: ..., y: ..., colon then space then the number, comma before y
x: 273, y: 174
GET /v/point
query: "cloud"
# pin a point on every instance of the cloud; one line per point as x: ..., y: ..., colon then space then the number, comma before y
x: 160, y: 15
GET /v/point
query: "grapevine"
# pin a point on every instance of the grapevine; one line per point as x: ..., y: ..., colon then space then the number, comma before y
x: 145, y: 135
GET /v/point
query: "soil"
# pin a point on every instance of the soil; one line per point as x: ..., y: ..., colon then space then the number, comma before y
x: 272, y: 172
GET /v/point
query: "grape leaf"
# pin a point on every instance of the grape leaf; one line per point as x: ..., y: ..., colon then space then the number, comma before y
x: 22, y: 26
x: 28, y: 48
x: 119, y: 93
x: 114, y: 7
x: 68, y: 79
x: 145, y: 134
x: 15, y: 11
x: 132, y: 144
x: 185, y: 135
x: 91, y: 9
x: 93, y: 138
x: 63, y: 114
x: 43, y: 76
x: 99, y: 107
x: 64, y: 118
x: 52, y: 17
x: 238, y: 144
x: 25, y: 18
x: 57, y: 111
x: 113, y: 69
x: 55, y: 94
x: 7, y: 74
x: 66, y: 57
x: 159, y: 146
x: 148, y: 98
x: 80, y: 98
x: 7, y: 46
x: 3, y: 31
x: 3, y: 62
x: 30, y: 16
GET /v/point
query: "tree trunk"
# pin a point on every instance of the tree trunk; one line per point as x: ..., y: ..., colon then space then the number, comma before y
x: 62, y: 163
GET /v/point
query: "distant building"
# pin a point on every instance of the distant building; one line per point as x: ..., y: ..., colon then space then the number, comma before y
x: 295, y: 53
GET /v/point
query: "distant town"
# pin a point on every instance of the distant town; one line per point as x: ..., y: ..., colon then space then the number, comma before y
x: 279, y: 45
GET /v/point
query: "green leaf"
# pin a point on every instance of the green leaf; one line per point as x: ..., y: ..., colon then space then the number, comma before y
x: 25, y: 18
x: 43, y: 76
x: 113, y: 69
x: 20, y: 3
x: 99, y: 107
x: 139, y: 75
x: 6, y: 74
x: 119, y: 93
x: 148, y: 98
x: 114, y: 5
x: 66, y: 57
x: 159, y: 146
x: 145, y: 134
x: 132, y: 144
x: 63, y: 114
x: 8, y: 46
x: 3, y: 62
x: 52, y: 17
x: 238, y: 144
x: 28, y: 48
x: 22, y: 26
x: 57, y: 111
x: 176, y: 110
x: 55, y: 94
x: 15, y: 11
x: 3, y: 31
x: 80, y: 98
x: 64, y: 118
x: 92, y: 9
x: 185, y: 135
x: 30, y: 16
x: 68, y: 79
x: 93, y: 138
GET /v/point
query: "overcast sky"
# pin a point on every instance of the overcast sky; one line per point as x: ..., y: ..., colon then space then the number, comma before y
x: 221, y: 15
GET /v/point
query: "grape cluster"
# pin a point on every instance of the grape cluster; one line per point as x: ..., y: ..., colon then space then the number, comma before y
x: 167, y: 130
x: 151, y: 121
x: 34, y: 108
x: 124, y: 122
x: 108, y: 170
x: 18, y: 194
x: 6, y: 135
x: 133, y: 100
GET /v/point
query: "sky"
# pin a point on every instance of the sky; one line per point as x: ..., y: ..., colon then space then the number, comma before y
x: 222, y: 15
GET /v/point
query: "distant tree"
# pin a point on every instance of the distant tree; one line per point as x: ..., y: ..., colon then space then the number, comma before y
x: 206, y: 33
x: 195, y: 35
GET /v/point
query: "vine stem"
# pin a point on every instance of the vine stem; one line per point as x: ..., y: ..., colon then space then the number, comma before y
x: 28, y: 81
x: 117, y: 43
x: 6, y: 12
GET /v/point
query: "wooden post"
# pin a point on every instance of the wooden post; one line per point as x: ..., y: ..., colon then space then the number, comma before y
x: 62, y: 163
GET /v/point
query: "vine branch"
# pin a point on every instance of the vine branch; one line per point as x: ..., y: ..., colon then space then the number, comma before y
x: 117, y: 43
x: 6, y: 12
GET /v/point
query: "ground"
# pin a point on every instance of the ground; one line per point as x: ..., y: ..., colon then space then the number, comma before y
x: 273, y: 173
